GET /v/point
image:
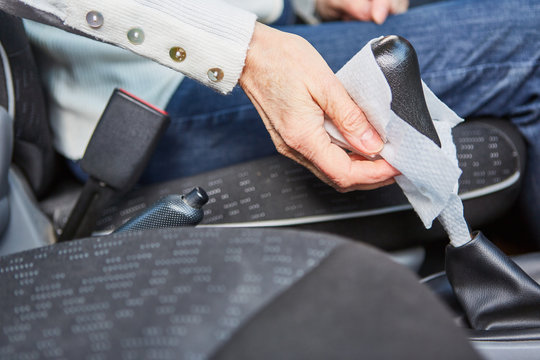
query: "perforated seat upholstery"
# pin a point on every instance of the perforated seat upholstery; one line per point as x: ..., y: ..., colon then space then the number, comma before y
x: 218, y: 293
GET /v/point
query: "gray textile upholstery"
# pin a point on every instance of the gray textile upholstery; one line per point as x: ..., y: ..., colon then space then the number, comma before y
x: 354, y: 305
x: 167, y: 294
x: 192, y: 293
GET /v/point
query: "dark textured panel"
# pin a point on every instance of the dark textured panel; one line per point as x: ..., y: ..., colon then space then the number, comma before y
x: 486, y: 154
x: 357, y: 304
x: 276, y: 188
x: 157, y: 294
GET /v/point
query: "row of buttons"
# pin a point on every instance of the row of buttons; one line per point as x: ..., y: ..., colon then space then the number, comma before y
x: 135, y: 36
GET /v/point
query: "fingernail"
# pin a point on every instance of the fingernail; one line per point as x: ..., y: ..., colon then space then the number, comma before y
x: 371, y: 141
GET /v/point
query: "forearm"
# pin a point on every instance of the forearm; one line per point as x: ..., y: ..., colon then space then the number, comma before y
x: 211, y: 33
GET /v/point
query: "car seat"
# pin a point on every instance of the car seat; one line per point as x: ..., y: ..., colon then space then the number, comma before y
x: 219, y: 293
x: 277, y: 192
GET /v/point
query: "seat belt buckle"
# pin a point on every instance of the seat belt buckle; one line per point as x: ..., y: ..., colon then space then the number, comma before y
x: 117, y: 154
x: 124, y: 140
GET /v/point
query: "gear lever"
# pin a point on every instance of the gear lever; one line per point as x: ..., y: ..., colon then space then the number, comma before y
x: 397, y: 59
x: 494, y: 291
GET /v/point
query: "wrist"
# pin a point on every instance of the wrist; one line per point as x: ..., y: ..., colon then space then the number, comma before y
x: 261, y: 34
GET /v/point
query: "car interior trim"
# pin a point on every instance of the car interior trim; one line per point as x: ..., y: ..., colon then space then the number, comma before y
x: 9, y: 82
x: 364, y: 213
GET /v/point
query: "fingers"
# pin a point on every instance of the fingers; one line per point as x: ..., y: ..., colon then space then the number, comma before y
x: 344, y: 181
x: 346, y: 173
x: 363, y: 10
x: 350, y: 120
x: 292, y: 91
x: 353, y: 184
x: 342, y: 171
x: 380, y: 10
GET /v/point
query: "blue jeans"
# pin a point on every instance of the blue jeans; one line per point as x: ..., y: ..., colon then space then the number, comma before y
x: 480, y: 57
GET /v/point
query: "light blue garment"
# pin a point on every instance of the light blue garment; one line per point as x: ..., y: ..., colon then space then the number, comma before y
x: 66, y: 61
x: 80, y: 75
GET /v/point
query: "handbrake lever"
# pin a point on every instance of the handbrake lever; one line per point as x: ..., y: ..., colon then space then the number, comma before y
x: 170, y: 211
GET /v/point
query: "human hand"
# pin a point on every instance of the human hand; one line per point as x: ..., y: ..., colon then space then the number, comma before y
x: 363, y: 10
x: 293, y: 88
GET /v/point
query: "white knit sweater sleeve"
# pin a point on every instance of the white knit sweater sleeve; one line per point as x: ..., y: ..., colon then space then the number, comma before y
x: 214, y: 35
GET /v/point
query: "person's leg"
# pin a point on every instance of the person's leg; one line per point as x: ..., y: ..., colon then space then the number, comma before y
x: 416, y: 3
x: 480, y: 57
x: 209, y: 130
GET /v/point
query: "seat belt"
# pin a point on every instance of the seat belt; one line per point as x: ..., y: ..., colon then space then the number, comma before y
x: 115, y: 157
x: 33, y: 149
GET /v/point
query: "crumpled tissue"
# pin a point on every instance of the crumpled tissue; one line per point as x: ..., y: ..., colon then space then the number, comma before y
x: 430, y: 173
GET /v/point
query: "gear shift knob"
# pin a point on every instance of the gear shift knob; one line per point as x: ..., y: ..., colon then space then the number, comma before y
x: 398, y: 62
x: 494, y: 292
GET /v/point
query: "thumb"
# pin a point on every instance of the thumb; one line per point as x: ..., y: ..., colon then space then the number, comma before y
x: 351, y: 121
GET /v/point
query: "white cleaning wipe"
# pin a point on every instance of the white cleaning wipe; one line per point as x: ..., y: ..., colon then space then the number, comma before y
x: 430, y: 173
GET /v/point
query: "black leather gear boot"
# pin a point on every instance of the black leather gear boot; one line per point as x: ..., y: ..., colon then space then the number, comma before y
x: 495, y: 293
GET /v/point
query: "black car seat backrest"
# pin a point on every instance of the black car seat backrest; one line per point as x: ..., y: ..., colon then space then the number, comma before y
x: 33, y: 149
